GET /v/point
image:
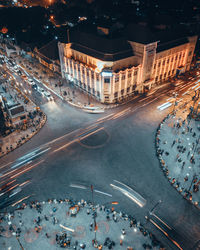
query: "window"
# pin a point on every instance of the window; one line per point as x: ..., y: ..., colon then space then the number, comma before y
x: 123, y: 77
x: 169, y: 73
x: 97, y: 77
x: 165, y: 74
x: 154, y: 66
x: 115, y: 94
x: 158, y: 64
x: 92, y: 75
x: 106, y: 98
x: 98, y: 93
x: 172, y: 71
x: 133, y: 88
x: 156, y: 78
x: 93, y: 91
x: 129, y: 74
x: 176, y: 57
x: 116, y: 78
x: 122, y: 91
x: 163, y: 62
x: 135, y: 73
x: 160, y: 77
x: 128, y: 90
x: 87, y: 73
x: 107, y: 80
x: 180, y: 56
x: 168, y: 61
x: 89, y: 89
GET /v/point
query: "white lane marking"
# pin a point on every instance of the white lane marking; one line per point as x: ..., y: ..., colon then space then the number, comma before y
x: 97, y: 191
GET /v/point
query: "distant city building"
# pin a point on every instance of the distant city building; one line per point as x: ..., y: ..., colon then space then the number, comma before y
x: 114, y: 69
x: 48, y: 56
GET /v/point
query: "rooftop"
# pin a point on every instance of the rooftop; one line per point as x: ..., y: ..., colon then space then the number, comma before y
x: 50, y: 50
x: 100, y: 47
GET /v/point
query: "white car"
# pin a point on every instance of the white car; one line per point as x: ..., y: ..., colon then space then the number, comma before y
x: 30, y: 81
x: 41, y: 90
x: 48, y: 96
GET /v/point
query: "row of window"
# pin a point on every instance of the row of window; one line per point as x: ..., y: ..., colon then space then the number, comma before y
x: 163, y: 76
x: 122, y: 91
x: 83, y: 70
x: 167, y: 60
x: 123, y: 77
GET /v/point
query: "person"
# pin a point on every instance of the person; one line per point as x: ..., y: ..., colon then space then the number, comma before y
x: 121, y: 242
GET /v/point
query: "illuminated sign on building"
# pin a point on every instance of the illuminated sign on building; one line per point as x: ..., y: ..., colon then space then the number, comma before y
x: 107, y: 73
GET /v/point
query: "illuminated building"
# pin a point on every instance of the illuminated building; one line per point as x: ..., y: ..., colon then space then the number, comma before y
x: 114, y: 69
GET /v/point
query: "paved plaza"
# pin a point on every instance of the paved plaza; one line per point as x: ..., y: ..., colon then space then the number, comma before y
x: 178, y: 148
x: 73, y: 225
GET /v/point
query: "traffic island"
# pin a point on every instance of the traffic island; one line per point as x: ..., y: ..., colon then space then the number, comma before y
x: 178, y: 149
x: 74, y: 225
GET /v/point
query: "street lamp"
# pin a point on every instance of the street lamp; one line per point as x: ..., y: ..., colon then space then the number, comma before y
x: 95, y: 214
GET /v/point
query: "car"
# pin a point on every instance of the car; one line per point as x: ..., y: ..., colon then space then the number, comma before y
x: 48, y: 96
x: 35, y: 86
x: 30, y: 81
x: 41, y: 90
x: 24, y: 76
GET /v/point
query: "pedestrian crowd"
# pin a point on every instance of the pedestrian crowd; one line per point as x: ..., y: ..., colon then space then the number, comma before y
x: 57, y: 222
x: 178, y: 149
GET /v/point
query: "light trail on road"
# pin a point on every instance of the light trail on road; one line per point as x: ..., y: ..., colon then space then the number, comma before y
x: 131, y: 194
x: 166, y: 234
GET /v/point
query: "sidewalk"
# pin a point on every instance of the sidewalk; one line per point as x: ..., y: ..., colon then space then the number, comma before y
x: 178, y: 149
x: 23, y: 131
x: 73, y: 225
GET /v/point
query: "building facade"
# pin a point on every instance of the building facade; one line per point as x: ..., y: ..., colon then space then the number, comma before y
x: 113, y: 69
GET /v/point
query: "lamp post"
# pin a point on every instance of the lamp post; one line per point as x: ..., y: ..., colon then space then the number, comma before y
x: 95, y: 226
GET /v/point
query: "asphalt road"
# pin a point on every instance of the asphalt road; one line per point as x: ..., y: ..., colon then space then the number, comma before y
x: 85, y: 149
